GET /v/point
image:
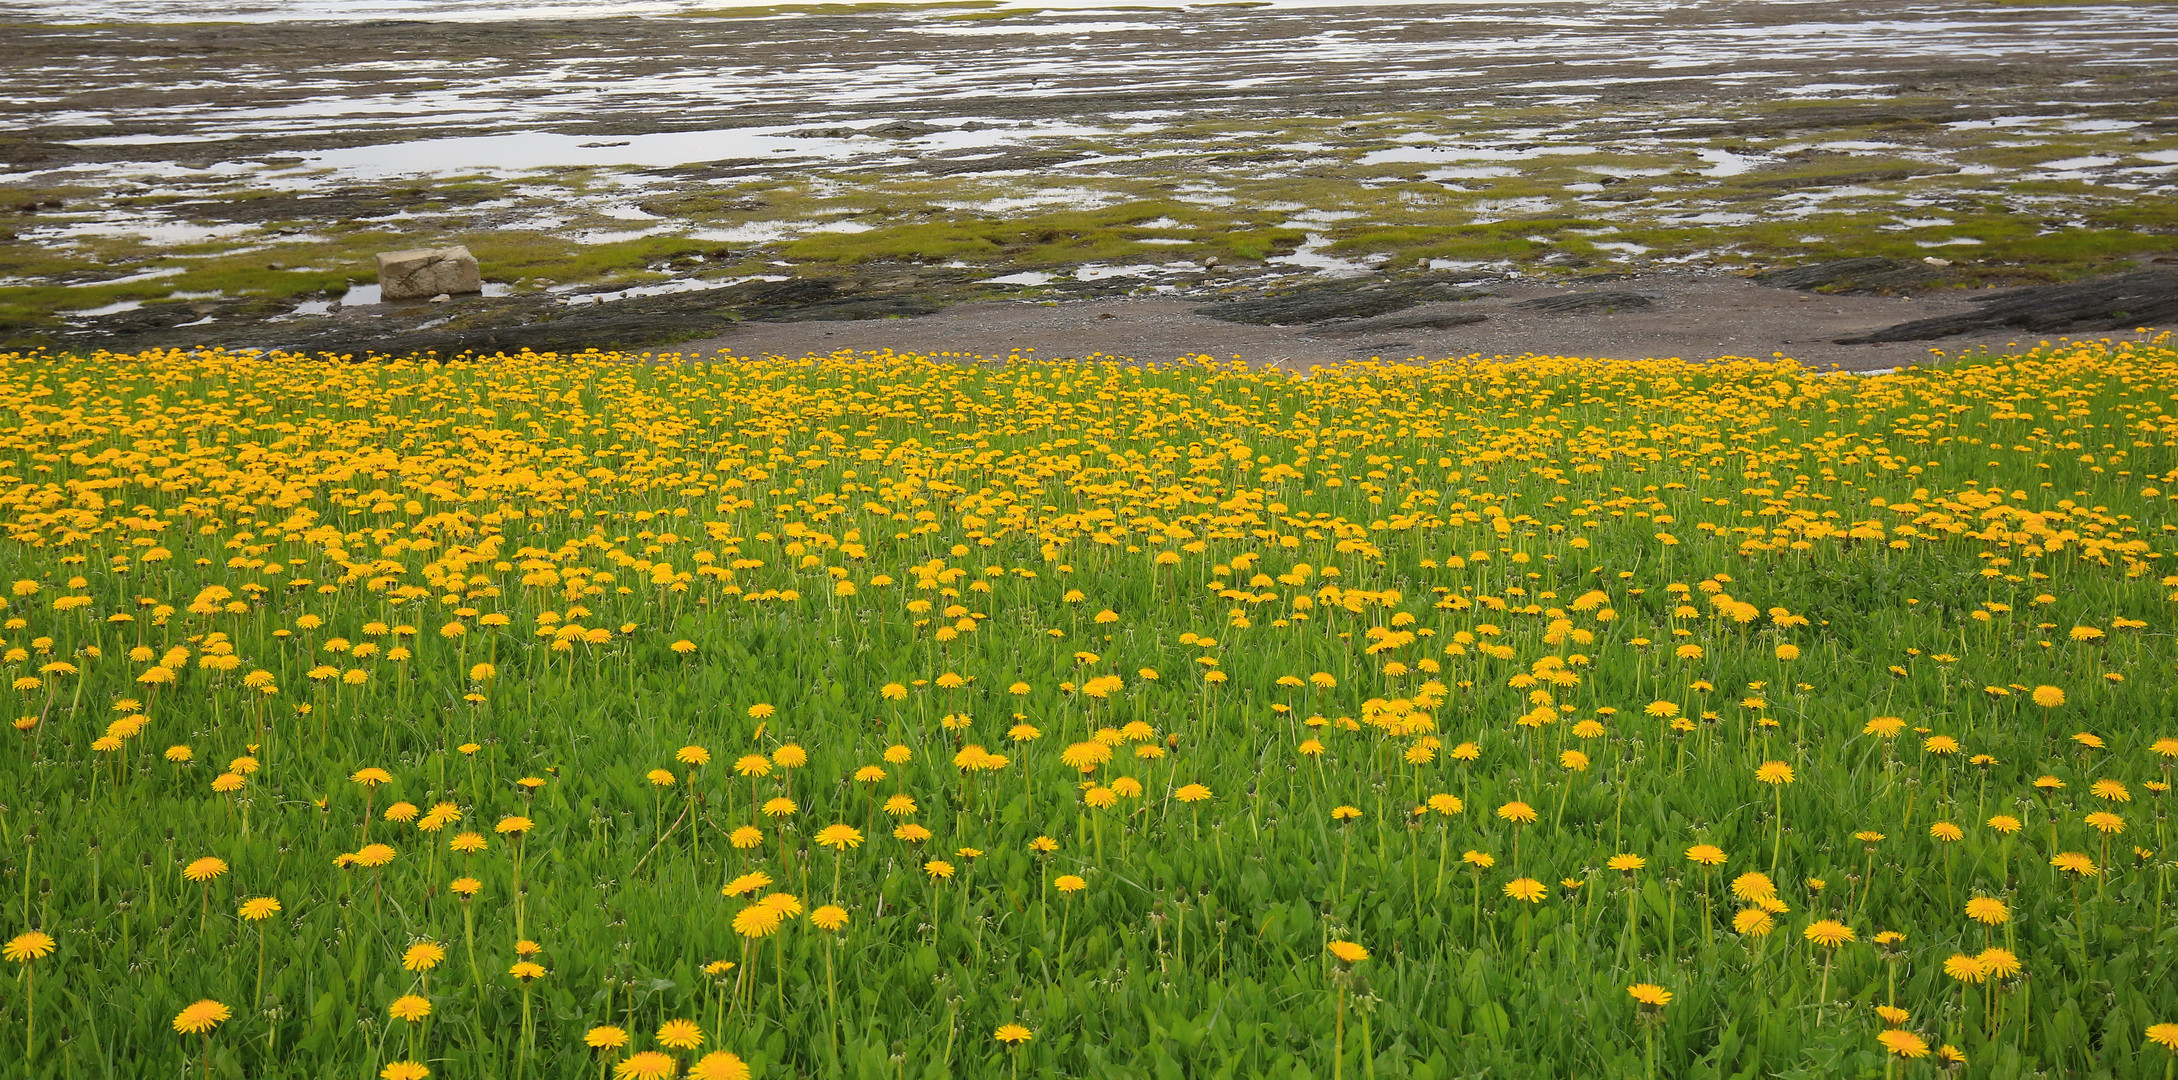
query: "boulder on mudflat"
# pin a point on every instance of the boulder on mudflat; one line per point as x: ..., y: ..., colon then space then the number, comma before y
x: 423, y: 273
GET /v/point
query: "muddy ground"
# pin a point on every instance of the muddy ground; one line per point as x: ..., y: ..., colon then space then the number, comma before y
x: 735, y: 179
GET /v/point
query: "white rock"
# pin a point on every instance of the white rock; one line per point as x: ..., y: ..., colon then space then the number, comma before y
x: 1934, y: 261
x: 427, y: 272
x: 441, y: 298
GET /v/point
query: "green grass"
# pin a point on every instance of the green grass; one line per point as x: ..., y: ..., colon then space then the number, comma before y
x: 1302, y: 593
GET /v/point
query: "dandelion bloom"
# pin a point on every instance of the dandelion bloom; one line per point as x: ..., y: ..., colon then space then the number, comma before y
x: 839, y: 836
x: 746, y: 837
x: 1705, y: 855
x: 1828, y: 933
x: 527, y: 970
x: 606, y: 1037
x: 1527, y: 889
x: 747, y: 883
x: 680, y: 1035
x: 375, y: 855
x: 2106, y: 823
x: 204, y: 869
x: 423, y: 956
x: 404, y: 1070
x: 2048, y: 697
x: 719, y: 1065
x: 692, y: 755
x: 938, y: 869
x: 1903, y: 1043
x: 514, y: 825
x: 1774, y: 772
x: 371, y: 777
x: 829, y: 917
x: 1347, y: 952
x: 1892, y: 1015
x: 1753, y: 921
x: 2005, y: 824
x: 752, y: 765
x: 409, y: 1007
x: 466, y: 887
x: 2072, y: 862
x: 1192, y: 793
x: 1517, y: 812
x: 2164, y: 1035
x: 1012, y: 1034
x: 1965, y: 969
x: 1754, y: 885
x: 2110, y: 791
x: 1988, y: 910
x: 201, y: 1017
x: 1649, y: 995
x: 1344, y: 814
x: 1069, y: 883
x: 1999, y: 963
x: 647, y: 1065
x: 1945, y: 832
x: 28, y: 946
x: 756, y: 921
x: 1626, y: 864
x: 1479, y: 859
x: 258, y: 909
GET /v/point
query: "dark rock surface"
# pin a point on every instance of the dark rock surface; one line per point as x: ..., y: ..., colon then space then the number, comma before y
x: 1871, y: 275
x: 1435, y: 319
x: 1589, y: 303
x: 1357, y: 298
x: 2121, y: 302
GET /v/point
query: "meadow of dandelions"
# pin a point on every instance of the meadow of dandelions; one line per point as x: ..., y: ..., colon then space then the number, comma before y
x: 887, y: 716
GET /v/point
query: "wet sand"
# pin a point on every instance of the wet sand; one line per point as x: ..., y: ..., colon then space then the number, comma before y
x: 1695, y: 317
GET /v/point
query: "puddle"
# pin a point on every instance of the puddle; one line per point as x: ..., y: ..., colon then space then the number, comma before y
x: 2078, y: 163
x: 1425, y: 155
x: 1027, y: 277
x: 533, y: 150
x: 1310, y: 255
x: 148, y: 275
x: 1727, y: 163
x: 664, y: 288
x: 1098, y: 271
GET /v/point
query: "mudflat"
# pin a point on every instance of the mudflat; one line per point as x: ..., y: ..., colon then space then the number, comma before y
x: 176, y: 182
